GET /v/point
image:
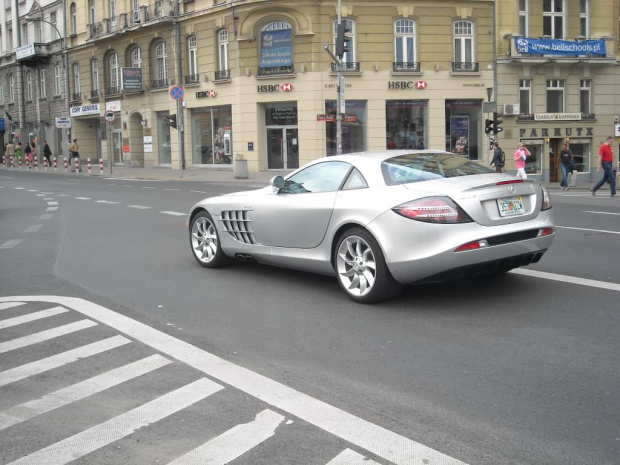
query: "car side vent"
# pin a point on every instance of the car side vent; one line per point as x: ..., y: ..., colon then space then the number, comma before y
x: 239, y: 225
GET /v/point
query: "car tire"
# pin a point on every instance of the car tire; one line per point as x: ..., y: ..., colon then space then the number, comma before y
x: 205, y: 241
x: 361, y: 269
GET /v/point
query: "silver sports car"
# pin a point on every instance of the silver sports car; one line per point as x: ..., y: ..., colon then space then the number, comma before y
x: 380, y: 220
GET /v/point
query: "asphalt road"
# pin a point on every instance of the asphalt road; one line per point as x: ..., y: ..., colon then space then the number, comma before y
x: 518, y: 369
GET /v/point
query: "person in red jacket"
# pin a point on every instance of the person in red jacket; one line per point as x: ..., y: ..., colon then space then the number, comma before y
x: 605, y: 162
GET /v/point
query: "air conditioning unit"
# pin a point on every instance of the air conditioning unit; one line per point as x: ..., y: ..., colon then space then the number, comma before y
x: 511, y: 109
x: 136, y: 16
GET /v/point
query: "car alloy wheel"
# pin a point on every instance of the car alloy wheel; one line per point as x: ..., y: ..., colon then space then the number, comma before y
x: 205, y: 241
x: 361, y: 268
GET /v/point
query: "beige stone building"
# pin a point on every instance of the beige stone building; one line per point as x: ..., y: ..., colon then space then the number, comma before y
x: 257, y: 82
x: 558, y: 80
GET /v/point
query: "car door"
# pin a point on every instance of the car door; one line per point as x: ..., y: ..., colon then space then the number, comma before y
x: 298, y: 215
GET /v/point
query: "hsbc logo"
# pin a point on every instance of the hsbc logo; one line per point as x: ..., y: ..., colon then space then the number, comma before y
x: 286, y: 87
x: 206, y: 94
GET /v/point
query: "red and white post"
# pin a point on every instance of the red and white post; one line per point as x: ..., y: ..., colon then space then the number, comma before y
x: 45, y: 163
x: 101, y: 166
x: 66, y: 165
x: 89, y: 166
x: 55, y: 164
x: 77, y: 165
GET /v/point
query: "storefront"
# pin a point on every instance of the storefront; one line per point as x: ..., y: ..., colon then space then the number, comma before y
x: 211, y: 135
x: 282, y: 135
x: 463, y: 128
x: 406, y: 123
x: 353, y: 127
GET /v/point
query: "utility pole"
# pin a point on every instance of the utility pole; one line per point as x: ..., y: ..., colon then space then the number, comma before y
x: 180, y: 118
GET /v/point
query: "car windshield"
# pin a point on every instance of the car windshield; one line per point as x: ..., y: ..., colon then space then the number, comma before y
x: 417, y: 167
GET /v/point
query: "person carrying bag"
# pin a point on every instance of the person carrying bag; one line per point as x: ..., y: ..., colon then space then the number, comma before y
x: 74, y: 149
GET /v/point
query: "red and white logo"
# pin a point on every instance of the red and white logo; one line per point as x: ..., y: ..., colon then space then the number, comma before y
x: 286, y: 87
x: 421, y: 85
x: 212, y: 93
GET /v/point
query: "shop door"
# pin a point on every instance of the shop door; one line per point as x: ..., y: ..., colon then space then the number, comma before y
x: 282, y: 148
x: 117, y: 146
x: 554, y: 158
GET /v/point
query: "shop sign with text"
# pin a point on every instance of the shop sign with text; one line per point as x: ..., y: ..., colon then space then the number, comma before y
x: 407, y: 84
x: 557, y: 116
x: 132, y: 79
x: 84, y: 110
x: 263, y: 88
x: 206, y: 93
x: 556, y: 132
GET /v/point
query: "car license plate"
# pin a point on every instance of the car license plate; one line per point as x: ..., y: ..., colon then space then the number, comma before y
x: 511, y: 206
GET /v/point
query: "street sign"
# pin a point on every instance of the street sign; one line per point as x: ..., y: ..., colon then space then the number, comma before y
x: 617, y: 130
x: 341, y: 85
x: 176, y: 92
x: 2, y: 124
x: 63, y: 123
x: 109, y: 116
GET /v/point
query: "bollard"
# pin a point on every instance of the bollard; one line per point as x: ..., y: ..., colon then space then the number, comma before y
x: 45, y: 163
x: 66, y: 164
x: 55, y: 165
x: 101, y: 166
x: 35, y: 162
x: 12, y: 161
x: 20, y: 163
x: 77, y: 165
x: 89, y: 166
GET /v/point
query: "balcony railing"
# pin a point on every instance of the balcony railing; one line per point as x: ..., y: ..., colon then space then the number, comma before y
x: 160, y: 83
x: 192, y: 79
x: 347, y: 67
x: 406, y: 67
x: 275, y: 71
x: 159, y: 10
x: 76, y: 97
x: 222, y: 75
x: 464, y: 66
x: 112, y: 90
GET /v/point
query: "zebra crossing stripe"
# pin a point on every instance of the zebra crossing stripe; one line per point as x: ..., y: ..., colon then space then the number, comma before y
x: 45, y: 335
x: 234, y: 442
x: 80, y: 390
x: 94, y: 438
x: 18, y: 320
x: 55, y: 361
x: 6, y: 305
x: 348, y: 457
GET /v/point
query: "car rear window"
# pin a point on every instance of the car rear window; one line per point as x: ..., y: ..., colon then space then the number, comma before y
x: 417, y: 167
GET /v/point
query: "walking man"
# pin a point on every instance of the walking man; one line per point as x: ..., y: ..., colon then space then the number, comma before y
x: 605, y: 162
x: 47, y: 152
x: 499, y: 158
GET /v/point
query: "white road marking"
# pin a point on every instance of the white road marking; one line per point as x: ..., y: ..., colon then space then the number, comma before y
x: 19, y: 188
x: 46, y: 216
x: 233, y: 443
x: 18, y: 320
x: 364, y: 434
x: 139, y: 207
x: 46, y: 335
x: 174, y: 213
x: 10, y: 243
x: 52, y: 203
x: 94, y: 438
x: 6, y: 305
x: 63, y: 195
x: 32, y: 190
x: 147, y: 187
x: 568, y: 279
x: 82, y: 198
x: 107, y: 201
x: 47, y: 193
x: 48, y: 198
x: 41, y: 195
x: 55, y: 361
x: 602, y: 213
x: 591, y: 230
x: 199, y: 192
x: 172, y: 189
x: 33, y: 228
x: 51, y: 209
x: 348, y: 457
x: 80, y: 390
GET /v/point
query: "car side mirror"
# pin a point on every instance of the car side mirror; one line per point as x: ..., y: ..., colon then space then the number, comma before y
x: 277, y: 182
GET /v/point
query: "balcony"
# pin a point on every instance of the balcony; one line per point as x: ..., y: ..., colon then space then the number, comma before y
x: 32, y: 55
x: 276, y: 71
x: 465, y: 67
x: 192, y: 79
x: 144, y: 15
x: 346, y: 67
x: 112, y: 91
x: 223, y: 75
x: 160, y: 83
x: 406, y: 67
x: 541, y: 50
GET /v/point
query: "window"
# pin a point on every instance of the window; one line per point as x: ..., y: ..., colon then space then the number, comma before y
x: 584, y: 18
x: 135, y: 56
x: 53, y: 22
x: 94, y: 74
x: 11, y: 89
x: 192, y: 48
x: 113, y: 9
x: 585, y: 96
x: 26, y: 39
x: 76, y: 79
x: 463, y: 44
x: 406, y: 124
x: 555, y: 96
x: 353, y: 129
x: 57, y: 79
x: 1, y: 95
x: 210, y: 128
x: 29, y: 85
x: 113, y: 77
x: 349, y: 57
x: 92, y: 9
x: 525, y: 96
x: 405, y: 42
x: 38, y: 31
x: 222, y: 46
x: 553, y: 18
x: 9, y: 33
x: 523, y: 14
x: 74, y: 27
x: 463, y: 120
x: 42, y: 83
x: 322, y: 177
x: 161, y: 64
x: 581, y: 154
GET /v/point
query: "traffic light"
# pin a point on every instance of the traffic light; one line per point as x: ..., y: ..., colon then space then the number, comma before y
x: 172, y: 121
x: 496, y: 123
x: 488, y: 126
x: 343, y: 40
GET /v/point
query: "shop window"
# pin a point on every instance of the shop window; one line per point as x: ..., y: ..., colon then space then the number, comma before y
x: 533, y: 164
x: 585, y: 96
x: 164, y: 143
x: 406, y: 124
x: 581, y: 149
x: 553, y: 19
x: 276, y: 49
x: 353, y: 127
x: 463, y: 128
x: 555, y: 96
x: 523, y: 17
x: 525, y: 96
x: 212, y: 135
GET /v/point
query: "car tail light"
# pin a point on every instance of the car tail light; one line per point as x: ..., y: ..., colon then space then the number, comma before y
x: 472, y: 246
x: 441, y: 210
x: 512, y: 181
x: 545, y: 232
x: 546, y: 205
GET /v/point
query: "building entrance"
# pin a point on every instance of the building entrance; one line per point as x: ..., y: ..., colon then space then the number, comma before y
x: 282, y: 148
x: 555, y: 146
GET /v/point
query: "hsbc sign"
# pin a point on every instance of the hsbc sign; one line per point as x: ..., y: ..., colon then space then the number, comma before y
x: 263, y: 88
x: 407, y: 84
x: 206, y: 94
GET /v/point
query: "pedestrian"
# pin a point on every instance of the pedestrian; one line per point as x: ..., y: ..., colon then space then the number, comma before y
x: 566, y: 162
x: 47, y: 153
x: 35, y: 151
x: 605, y: 162
x: 19, y: 152
x: 499, y: 158
x: 74, y: 149
x: 29, y: 158
x: 10, y: 151
x: 520, y: 157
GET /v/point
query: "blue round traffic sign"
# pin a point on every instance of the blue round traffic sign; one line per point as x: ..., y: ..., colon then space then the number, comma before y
x: 176, y: 92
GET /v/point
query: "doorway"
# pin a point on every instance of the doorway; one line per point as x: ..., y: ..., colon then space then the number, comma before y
x: 117, y: 146
x: 282, y: 148
x: 555, y: 145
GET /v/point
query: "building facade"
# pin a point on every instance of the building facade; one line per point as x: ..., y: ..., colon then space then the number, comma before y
x: 558, y: 81
x: 256, y: 81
